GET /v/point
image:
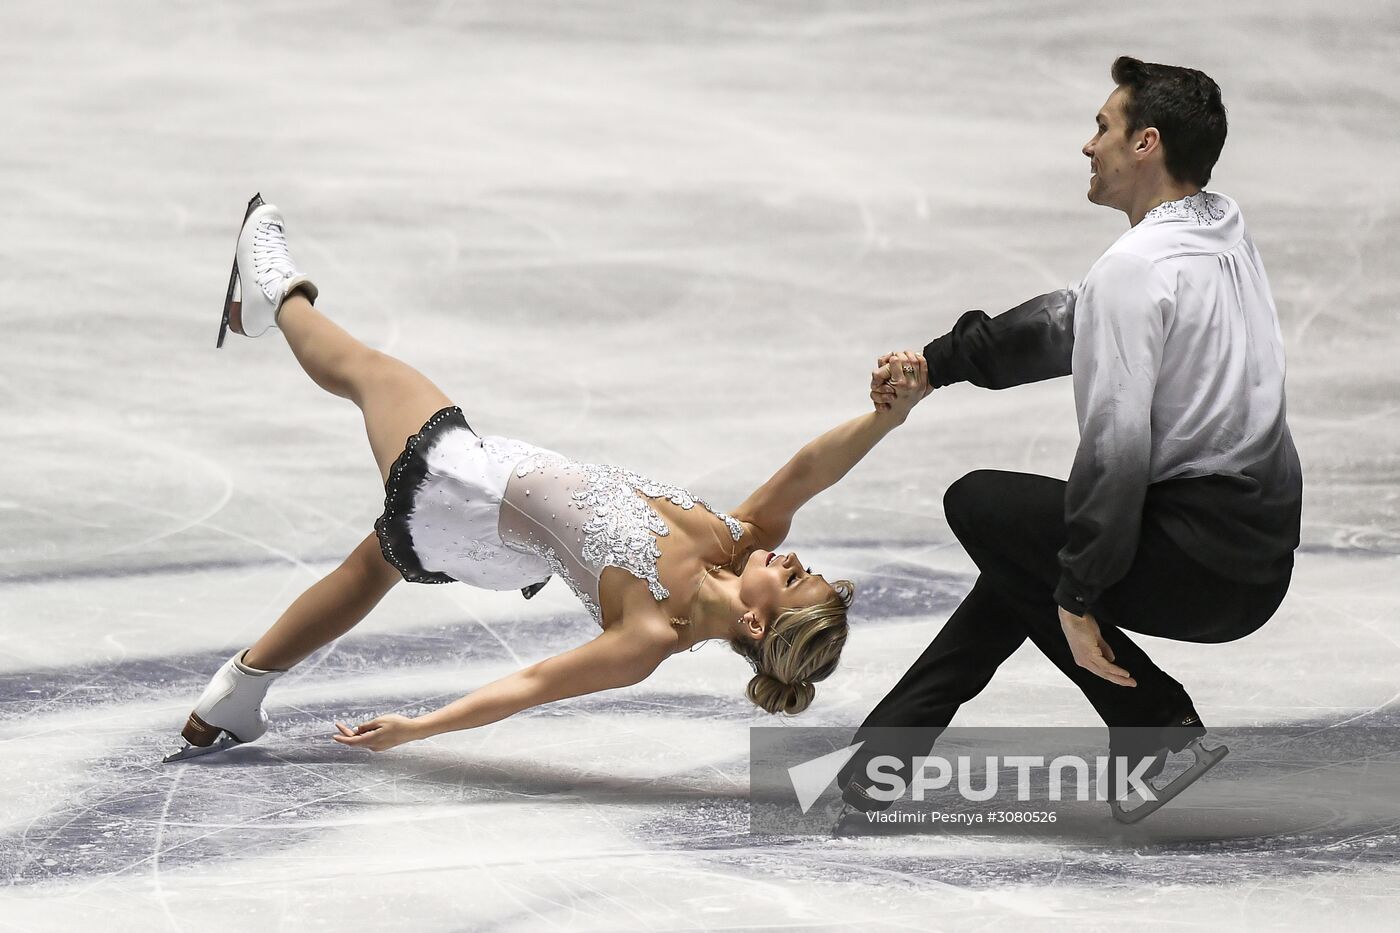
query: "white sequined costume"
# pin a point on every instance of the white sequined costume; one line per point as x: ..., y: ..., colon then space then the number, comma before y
x: 501, y: 514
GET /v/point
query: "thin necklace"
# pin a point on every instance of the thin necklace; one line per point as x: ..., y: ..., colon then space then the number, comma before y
x: 733, y: 558
x: 690, y: 608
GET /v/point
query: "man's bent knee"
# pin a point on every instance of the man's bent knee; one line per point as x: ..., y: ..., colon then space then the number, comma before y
x: 970, y: 500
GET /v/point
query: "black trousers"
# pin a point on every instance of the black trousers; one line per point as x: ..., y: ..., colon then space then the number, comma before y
x: 1013, y: 526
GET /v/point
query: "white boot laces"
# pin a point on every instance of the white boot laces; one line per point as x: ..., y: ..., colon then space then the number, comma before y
x: 272, y: 262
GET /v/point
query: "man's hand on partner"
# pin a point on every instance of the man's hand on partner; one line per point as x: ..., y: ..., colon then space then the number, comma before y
x: 1091, y: 652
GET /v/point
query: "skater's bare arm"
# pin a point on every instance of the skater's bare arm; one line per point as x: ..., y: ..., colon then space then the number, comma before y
x: 611, y: 660
x: 822, y: 462
x: 616, y: 658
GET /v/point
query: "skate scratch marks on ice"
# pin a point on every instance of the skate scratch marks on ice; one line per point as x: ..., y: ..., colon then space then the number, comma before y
x: 902, y: 877
x: 240, y: 824
x: 155, y: 853
x: 171, y: 452
x: 1323, y: 605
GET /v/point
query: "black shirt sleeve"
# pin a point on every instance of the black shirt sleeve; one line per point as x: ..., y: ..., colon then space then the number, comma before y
x: 1031, y: 342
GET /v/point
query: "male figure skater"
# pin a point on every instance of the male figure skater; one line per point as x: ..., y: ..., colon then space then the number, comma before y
x: 1182, y: 509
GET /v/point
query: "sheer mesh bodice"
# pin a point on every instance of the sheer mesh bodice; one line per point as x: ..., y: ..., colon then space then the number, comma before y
x: 584, y: 517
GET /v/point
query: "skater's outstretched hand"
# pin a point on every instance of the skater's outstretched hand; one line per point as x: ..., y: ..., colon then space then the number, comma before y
x: 1091, y: 652
x: 379, y: 734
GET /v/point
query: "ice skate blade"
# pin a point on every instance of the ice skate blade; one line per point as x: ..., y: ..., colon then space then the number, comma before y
x: 233, y: 305
x: 1206, y: 758
x: 224, y: 743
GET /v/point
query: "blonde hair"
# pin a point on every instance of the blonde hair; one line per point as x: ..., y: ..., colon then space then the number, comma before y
x: 801, y: 647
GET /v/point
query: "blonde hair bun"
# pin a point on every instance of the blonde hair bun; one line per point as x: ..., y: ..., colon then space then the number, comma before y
x: 774, y: 696
x: 800, y: 647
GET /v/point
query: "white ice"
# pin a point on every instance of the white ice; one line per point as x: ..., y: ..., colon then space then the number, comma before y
x: 672, y: 237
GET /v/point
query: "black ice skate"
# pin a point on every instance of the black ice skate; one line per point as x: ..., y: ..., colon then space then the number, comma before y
x: 906, y: 744
x: 856, y: 808
x: 1134, y: 745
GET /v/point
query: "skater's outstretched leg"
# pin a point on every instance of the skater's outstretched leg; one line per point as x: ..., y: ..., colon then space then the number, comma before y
x: 395, y: 399
x: 331, y: 607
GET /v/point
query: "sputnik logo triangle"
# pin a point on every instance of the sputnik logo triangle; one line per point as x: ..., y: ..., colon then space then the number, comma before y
x: 811, y: 778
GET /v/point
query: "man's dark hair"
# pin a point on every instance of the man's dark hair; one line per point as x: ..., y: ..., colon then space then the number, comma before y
x: 1184, y: 105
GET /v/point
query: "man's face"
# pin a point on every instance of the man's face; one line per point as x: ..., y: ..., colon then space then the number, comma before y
x: 1110, y: 155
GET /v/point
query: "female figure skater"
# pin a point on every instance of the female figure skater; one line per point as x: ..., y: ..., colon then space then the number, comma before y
x: 657, y: 574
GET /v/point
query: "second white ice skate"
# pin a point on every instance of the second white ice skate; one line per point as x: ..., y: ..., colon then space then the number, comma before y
x: 229, y: 712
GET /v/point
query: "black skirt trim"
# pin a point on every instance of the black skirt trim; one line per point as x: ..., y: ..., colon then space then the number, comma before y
x: 406, y: 477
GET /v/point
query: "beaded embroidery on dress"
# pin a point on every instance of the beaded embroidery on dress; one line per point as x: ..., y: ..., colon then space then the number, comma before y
x: 582, y: 518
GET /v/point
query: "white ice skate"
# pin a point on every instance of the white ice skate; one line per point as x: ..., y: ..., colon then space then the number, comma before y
x: 229, y: 712
x: 263, y: 275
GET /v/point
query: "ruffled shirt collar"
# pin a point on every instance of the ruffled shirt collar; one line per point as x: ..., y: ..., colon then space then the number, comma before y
x: 1203, y: 208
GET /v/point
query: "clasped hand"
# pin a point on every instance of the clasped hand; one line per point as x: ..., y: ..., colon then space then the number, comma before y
x: 899, y: 382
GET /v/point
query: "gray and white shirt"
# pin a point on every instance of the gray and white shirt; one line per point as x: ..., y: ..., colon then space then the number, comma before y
x: 1174, y: 344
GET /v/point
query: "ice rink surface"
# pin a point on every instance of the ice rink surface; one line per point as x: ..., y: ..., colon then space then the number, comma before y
x: 672, y: 237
